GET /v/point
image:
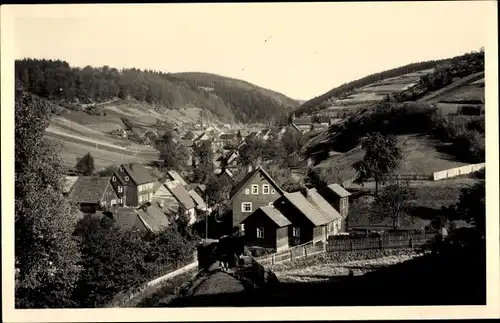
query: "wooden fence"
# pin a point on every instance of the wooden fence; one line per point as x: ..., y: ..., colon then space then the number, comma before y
x: 348, y: 243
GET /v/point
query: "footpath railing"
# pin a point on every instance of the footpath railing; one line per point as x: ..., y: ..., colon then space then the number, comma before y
x: 348, y: 243
x: 122, y: 298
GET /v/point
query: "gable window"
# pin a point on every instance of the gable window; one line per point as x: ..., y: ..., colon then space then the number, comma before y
x: 247, y: 191
x: 127, y: 178
x: 296, y: 232
x: 265, y: 189
x: 260, y: 233
x: 113, y: 178
x: 255, y: 189
x: 273, y: 191
x: 120, y: 189
x: 246, y: 207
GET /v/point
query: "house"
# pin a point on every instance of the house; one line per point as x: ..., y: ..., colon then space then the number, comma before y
x: 225, y: 172
x: 267, y: 228
x: 334, y: 227
x: 144, y: 219
x: 133, y: 184
x: 93, y: 193
x: 265, y: 134
x: 198, y: 201
x: 303, y: 124
x: 172, y: 198
x: 338, y: 197
x: 198, y: 188
x: 255, y: 190
x: 308, y: 222
x: 69, y: 182
x: 172, y: 175
x: 229, y: 139
x: 242, y: 134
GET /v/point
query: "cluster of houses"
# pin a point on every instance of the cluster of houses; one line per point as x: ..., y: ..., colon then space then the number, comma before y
x: 272, y: 218
x: 266, y: 215
x: 137, y: 199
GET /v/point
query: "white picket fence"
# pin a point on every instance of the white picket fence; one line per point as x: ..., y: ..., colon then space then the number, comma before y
x: 457, y: 171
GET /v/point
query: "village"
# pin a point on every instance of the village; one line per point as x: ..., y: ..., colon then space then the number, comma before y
x: 140, y: 199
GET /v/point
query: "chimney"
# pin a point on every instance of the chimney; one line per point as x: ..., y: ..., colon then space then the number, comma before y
x: 304, y: 191
x: 249, y: 168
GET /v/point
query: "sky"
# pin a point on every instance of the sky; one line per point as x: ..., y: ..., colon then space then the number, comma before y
x: 299, y: 49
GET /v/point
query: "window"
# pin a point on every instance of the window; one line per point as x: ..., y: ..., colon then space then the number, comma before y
x: 255, y: 189
x: 273, y: 191
x: 242, y: 227
x: 246, y: 207
x: 120, y: 201
x: 265, y: 189
x: 271, y: 203
x: 260, y: 233
x: 296, y: 232
x: 140, y: 198
x: 113, y: 178
x: 127, y: 178
x: 120, y: 189
x: 247, y: 191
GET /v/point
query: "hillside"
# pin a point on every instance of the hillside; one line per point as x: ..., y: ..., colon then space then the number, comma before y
x: 404, y: 83
x: 227, y: 99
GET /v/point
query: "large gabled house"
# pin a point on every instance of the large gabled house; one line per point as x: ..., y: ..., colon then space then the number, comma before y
x: 255, y: 190
x: 93, y: 193
x: 133, y: 184
x: 303, y: 124
x: 145, y: 219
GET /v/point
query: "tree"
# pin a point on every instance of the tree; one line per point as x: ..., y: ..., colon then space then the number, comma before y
x: 85, y: 165
x: 173, y: 155
x: 382, y: 156
x: 292, y: 141
x: 218, y: 190
x: 46, y: 252
x: 251, y: 152
x: 189, y: 134
x: 393, y: 202
x: 471, y: 206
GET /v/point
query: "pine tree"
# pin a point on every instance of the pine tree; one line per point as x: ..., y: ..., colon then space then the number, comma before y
x: 85, y: 165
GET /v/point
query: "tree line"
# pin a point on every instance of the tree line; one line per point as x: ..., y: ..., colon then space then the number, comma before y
x: 57, y: 80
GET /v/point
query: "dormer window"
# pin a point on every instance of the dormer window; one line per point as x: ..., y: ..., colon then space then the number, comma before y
x: 127, y: 178
x: 120, y: 189
x: 113, y: 178
x: 255, y: 189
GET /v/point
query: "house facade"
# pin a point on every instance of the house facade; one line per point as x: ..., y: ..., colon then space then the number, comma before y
x: 93, y: 193
x: 267, y: 228
x: 255, y: 190
x: 134, y: 185
x: 338, y: 197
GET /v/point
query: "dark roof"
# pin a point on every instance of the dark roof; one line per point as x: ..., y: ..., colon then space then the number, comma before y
x: 197, y: 199
x: 227, y: 136
x: 317, y: 200
x: 128, y: 219
x: 186, y: 142
x: 175, y: 176
x: 138, y: 173
x: 153, y: 218
x: 276, y: 216
x: 302, y: 121
x: 302, y: 204
x: 181, y: 195
x: 339, y: 190
x: 89, y: 189
x: 249, y: 176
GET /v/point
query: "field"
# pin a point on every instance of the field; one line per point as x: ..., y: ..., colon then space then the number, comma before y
x: 378, y: 91
x: 420, y: 157
x: 329, y: 267
x: 80, y: 132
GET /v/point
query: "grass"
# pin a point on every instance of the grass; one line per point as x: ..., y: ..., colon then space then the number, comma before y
x: 420, y: 157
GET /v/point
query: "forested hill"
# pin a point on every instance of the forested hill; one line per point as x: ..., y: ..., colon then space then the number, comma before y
x: 227, y: 98
x: 346, y: 88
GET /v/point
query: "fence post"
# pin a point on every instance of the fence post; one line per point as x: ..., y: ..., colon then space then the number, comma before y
x: 291, y: 255
x: 305, y: 252
x: 352, y: 245
x: 272, y: 260
x: 411, y: 242
x: 381, y: 243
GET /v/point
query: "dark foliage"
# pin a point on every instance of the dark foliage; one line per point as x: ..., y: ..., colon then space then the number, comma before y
x: 57, y: 80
